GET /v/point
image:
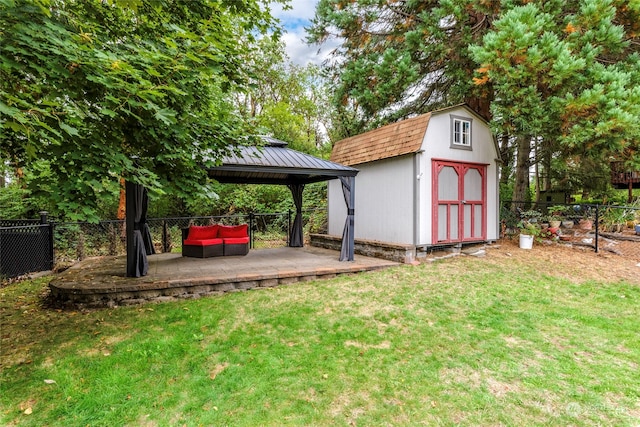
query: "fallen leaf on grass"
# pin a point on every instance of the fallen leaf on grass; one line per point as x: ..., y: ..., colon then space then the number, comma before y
x: 217, y: 370
x: 27, y: 404
x: 28, y: 411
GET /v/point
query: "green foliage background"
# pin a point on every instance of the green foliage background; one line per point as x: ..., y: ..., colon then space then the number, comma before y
x: 93, y: 90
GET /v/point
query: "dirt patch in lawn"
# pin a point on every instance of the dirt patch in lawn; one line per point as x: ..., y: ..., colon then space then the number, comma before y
x: 573, y: 262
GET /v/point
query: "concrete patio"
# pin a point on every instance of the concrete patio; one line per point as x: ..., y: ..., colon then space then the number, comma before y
x: 101, y: 282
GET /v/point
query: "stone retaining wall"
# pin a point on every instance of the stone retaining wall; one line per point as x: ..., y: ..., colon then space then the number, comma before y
x: 100, y: 281
x: 391, y: 251
x: 174, y: 290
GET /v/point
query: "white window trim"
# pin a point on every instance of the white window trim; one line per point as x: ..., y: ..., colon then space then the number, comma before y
x: 469, y: 135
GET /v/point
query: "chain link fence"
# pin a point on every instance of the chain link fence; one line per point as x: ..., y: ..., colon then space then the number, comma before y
x: 36, y: 245
x: 608, y: 228
x: 66, y: 243
x: 24, y: 249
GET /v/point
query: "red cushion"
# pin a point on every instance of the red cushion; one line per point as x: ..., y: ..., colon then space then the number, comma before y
x: 203, y: 242
x: 236, y: 240
x: 233, y: 230
x: 197, y: 232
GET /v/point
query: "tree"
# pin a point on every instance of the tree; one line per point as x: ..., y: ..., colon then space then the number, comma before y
x: 565, y: 76
x: 94, y: 90
x: 287, y: 101
x: 399, y: 58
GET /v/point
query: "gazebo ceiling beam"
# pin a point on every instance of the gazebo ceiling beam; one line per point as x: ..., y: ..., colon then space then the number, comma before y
x: 272, y: 181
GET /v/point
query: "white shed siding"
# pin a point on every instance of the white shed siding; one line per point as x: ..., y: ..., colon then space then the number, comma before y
x: 384, y: 201
x: 337, y: 208
x: 437, y: 146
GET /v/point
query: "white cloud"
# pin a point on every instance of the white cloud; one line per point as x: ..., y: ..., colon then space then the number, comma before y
x: 302, y: 53
x: 293, y: 21
x: 300, y: 10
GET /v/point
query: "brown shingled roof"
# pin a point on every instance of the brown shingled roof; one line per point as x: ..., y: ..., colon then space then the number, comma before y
x: 395, y: 139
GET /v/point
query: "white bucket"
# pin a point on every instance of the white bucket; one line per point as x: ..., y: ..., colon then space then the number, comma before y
x: 526, y: 242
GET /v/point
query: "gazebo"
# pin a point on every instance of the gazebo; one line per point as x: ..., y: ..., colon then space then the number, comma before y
x: 273, y: 163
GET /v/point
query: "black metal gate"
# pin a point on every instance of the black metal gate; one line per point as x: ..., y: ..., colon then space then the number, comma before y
x: 26, y: 249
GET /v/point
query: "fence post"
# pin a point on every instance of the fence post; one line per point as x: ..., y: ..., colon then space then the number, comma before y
x: 597, y: 225
x: 44, y: 221
x: 165, y: 243
x: 251, y: 216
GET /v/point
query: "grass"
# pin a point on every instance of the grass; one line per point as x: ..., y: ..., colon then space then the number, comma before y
x: 461, y: 342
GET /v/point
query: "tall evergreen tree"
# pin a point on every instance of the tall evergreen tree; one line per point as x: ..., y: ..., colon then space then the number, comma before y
x: 566, y: 77
x: 399, y: 58
x: 560, y: 76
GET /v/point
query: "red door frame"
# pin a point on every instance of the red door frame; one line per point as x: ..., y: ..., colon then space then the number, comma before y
x: 461, y: 168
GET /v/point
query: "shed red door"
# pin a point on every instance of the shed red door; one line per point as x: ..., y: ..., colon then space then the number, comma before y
x: 459, y: 202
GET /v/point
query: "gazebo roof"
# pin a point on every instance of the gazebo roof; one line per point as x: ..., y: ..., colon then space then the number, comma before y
x: 274, y: 163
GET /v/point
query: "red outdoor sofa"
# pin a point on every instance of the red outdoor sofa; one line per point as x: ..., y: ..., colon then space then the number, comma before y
x: 215, y: 240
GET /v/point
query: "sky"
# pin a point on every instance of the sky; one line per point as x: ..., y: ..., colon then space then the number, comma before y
x: 294, y: 21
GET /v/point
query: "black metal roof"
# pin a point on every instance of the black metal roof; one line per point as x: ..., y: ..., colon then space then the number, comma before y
x: 274, y: 163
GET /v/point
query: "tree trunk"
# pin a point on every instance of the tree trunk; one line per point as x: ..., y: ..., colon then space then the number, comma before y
x: 506, y: 156
x: 537, y: 175
x: 20, y: 178
x: 521, y: 187
x: 481, y: 105
x: 122, y: 202
x: 546, y: 164
x: 122, y: 211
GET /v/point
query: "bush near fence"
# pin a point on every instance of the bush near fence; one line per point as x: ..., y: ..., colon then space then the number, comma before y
x: 608, y: 216
x: 612, y: 225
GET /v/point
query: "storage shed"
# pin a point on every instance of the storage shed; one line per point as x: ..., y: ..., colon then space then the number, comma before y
x: 427, y: 181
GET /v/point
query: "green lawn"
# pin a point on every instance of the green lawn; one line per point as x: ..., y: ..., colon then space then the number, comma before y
x: 460, y: 342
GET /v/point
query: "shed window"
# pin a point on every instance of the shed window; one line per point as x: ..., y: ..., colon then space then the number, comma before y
x: 460, y: 132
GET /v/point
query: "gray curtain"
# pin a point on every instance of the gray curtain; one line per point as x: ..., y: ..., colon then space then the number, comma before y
x: 296, y: 239
x: 144, y: 227
x: 137, y: 263
x: 348, y: 245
